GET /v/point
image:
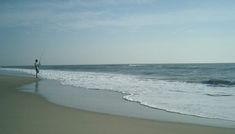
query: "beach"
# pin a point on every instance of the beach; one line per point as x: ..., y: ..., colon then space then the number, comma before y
x: 25, y: 113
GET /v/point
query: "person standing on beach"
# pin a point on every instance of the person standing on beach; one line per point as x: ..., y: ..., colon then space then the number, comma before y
x: 36, y: 66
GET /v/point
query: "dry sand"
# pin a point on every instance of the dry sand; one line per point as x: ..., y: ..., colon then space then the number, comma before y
x: 24, y: 113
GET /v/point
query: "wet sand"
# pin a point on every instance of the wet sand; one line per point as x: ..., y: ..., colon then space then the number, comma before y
x: 25, y: 113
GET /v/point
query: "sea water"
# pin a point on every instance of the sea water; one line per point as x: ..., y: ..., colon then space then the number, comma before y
x: 205, y: 90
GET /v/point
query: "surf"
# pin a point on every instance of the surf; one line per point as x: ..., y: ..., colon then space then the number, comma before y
x: 197, y: 99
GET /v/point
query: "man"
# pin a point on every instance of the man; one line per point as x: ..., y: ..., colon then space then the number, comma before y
x: 36, y: 66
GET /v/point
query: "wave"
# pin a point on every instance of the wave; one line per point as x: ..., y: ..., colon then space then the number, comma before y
x: 218, y: 82
x: 218, y: 95
x: 175, y: 96
x: 135, y: 65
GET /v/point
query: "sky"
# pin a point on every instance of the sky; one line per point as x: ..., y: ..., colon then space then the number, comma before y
x: 116, y: 31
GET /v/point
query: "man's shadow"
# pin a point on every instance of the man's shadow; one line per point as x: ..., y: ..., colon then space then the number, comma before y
x: 36, y: 89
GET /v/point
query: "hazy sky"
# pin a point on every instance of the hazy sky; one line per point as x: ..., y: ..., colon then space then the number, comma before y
x: 116, y: 31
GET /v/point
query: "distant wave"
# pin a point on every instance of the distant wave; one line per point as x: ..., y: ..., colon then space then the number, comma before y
x: 218, y: 82
x: 135, y: 65
x: 218, y: 95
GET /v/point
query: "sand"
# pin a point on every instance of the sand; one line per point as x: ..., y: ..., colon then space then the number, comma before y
x: 25, y: 113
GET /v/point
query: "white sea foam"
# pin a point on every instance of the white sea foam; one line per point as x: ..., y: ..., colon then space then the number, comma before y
x: 186, y: 98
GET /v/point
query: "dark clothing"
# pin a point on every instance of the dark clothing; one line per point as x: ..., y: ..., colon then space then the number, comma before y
x: 36, y: 66
x: 37, y: 70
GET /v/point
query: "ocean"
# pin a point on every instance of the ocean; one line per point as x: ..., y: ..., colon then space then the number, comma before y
x: 204, y: 90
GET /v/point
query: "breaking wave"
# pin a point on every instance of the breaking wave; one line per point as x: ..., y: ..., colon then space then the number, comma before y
x: 197, y: 99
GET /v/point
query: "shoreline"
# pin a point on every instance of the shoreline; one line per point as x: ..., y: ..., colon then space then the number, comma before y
x: 160, y: 94
x: 27, y: 113
x: 113, y: 103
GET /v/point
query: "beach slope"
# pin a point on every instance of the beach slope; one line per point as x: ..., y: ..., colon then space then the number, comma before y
x: 25, y: 113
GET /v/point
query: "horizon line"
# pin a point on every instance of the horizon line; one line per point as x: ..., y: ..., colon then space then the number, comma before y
x: 123, y: 64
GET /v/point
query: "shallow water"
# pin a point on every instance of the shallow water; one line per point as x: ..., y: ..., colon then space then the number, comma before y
x: 205, y: 90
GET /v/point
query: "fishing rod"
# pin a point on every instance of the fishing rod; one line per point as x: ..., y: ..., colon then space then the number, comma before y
x: 40, y: 58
